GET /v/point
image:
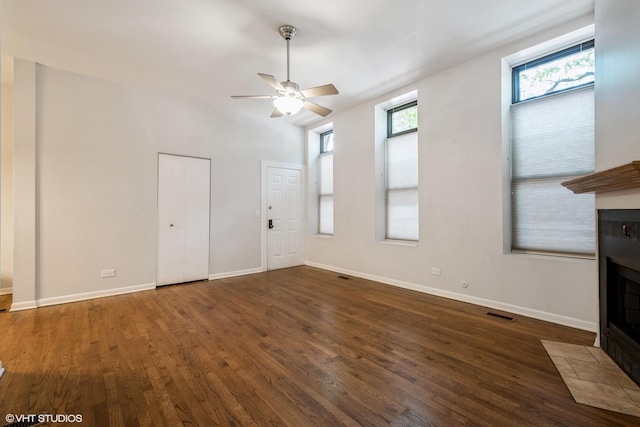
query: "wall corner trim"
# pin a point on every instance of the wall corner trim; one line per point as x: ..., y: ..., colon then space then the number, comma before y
x: 24, y: 305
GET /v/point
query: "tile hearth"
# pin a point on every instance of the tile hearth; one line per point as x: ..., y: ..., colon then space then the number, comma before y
x: 593, y: 378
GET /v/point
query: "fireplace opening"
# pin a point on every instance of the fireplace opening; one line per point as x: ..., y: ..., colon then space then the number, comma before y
x: 619, y: 255
x: 624, y: 299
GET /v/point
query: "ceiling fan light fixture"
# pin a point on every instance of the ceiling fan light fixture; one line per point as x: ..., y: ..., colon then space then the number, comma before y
x: 288, y: 104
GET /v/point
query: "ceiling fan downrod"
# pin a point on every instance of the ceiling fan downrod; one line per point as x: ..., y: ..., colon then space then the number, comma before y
x: 288, y: 32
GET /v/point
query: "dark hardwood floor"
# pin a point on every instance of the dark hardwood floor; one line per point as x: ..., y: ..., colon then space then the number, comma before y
x: 295, y: 347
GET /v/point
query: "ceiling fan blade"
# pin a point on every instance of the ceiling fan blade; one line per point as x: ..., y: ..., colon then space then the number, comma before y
x: 320, y: 91
x: 272, y: 81
x: 318, y: 109
x: 276, y: 113
x: 252, y: 96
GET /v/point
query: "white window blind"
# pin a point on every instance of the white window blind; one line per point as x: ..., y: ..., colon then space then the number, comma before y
x: 402, y: 187
x: 552, y: 140
x: 325, y: 202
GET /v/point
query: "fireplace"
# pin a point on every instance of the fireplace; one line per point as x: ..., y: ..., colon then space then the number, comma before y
x: 619, y: 255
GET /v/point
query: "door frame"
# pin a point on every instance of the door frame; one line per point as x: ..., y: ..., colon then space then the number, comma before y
x: 264, y: 239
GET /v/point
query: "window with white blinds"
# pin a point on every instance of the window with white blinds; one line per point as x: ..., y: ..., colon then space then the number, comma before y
x: 552, y: 140
x: 402, y: 187
x: 325, y: 193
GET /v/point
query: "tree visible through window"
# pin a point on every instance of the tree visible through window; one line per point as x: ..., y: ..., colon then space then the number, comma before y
x: 402, y: 119
x: 560, y: 71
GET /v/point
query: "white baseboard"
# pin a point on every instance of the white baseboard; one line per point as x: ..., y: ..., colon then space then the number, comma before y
x: 6, y: 291
x: 24, y: 305
x: 524, y: 311
x: 96, y: 294
x: 235, y: 273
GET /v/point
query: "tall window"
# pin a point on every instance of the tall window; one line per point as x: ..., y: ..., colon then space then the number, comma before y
x: 552, y: 140
x: 402, y: 173
x: 325, y: 180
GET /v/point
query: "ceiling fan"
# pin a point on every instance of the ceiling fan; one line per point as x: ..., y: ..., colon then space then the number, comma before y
x: 289, y: 99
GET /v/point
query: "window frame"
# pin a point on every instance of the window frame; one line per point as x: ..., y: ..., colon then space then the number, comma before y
x: 392, y: 111
x: 516, y: 70
x: 323, y: 141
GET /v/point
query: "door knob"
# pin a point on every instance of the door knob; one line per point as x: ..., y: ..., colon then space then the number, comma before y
x: 270, y: 223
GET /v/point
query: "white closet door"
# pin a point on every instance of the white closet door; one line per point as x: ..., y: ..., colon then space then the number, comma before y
x: 171, y: 185
x: 183, y: 219
x: 196, y: 220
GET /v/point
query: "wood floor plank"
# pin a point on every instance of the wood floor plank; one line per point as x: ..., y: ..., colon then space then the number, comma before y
x: 5, y: 302
x: 293, y: 347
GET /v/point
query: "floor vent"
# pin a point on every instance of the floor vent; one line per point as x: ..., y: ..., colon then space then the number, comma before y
x: 343, y: 277
x: 500, y: 316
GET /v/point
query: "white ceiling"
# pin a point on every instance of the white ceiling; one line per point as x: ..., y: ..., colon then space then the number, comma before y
x: 211, y: 49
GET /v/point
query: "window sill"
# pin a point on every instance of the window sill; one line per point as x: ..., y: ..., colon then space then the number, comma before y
x: 552, y: 256
x: 323, y: 236
x: 400, y: 243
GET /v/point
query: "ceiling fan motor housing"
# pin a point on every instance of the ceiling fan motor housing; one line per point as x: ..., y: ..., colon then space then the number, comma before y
x: 291, y: 87
x: 288, y: 31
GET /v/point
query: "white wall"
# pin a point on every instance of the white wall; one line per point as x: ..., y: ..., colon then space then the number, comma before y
x: 6, y: 213
x: 461, y: 202
x: 6, y: 277
x: 617, y: 94
x: 97, y: 147
x: 25, y: 266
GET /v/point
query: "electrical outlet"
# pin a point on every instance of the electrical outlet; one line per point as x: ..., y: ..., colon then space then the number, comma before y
x: 435, y: 271
x: 108, y: 273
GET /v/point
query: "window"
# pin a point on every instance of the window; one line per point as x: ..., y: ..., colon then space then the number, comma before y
x: 564, y: 70
x: 402, y: 119
x: 552, y: 140
x: 326, y: 142
x: 325, y: 184
x: 401, y: 189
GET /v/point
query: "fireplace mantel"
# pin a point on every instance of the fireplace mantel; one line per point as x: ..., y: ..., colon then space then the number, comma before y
x: 619, y: 178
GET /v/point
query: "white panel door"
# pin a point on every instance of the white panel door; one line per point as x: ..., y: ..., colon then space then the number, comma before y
x: 284, y: 218
x: 183, y: 219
